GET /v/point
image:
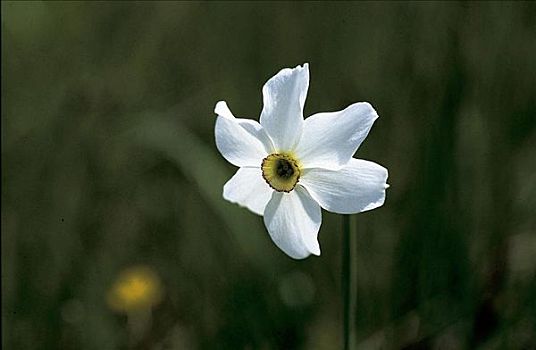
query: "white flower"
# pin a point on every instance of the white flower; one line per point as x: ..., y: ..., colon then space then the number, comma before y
x: 291, y: 167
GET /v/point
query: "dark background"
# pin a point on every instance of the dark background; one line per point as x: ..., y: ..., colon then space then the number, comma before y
x: 108, y: 162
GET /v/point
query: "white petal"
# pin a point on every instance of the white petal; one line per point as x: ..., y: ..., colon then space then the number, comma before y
x: 329, y: 140
x: 282, y: 114
x: 251, y: 126
x: 242, y: 142
x: 293, y: 220
x: 255, y: 129
x: 248, y: 189
x: 223, y: 110
x: 357, y: 187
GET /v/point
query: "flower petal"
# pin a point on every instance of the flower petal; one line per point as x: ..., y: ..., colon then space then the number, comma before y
x: 282, y: 114
x: 293, y: 220
x: 248, y: 189
x: 256, y: 130
x: 223, y: 110
x: 329, y: 140
x: 241, y: 142
x: 357, y: 187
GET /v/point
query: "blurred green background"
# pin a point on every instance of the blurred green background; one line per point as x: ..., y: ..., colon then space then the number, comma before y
x: 109, y: 162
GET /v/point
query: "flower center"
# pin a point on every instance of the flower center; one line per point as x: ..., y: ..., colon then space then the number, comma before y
x: 281, y: 171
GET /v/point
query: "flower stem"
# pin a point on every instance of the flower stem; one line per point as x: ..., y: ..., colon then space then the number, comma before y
x: 349, y: 282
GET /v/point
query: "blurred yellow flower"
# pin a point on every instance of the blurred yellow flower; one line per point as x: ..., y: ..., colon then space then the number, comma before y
x: 136, y: 288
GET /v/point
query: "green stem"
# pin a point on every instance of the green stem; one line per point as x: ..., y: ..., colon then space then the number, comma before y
x: 349, y: 282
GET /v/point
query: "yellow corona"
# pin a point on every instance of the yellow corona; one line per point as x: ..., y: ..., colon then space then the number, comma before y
x: 281, y: 171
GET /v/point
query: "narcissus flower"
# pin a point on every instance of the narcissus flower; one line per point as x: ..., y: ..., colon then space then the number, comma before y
x: 291, y: 167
